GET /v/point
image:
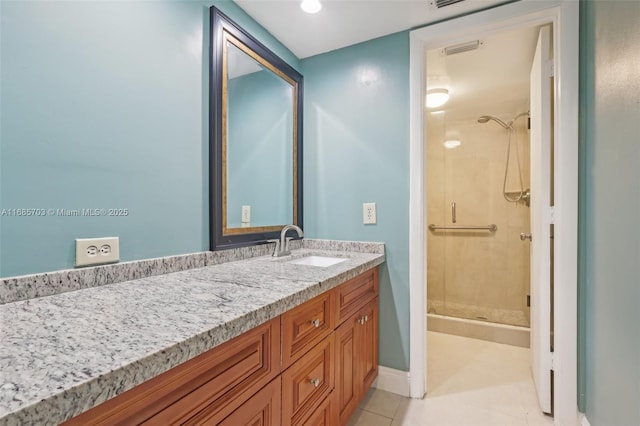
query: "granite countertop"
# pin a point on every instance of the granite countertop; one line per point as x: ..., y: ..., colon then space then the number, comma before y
x: 63, y: 354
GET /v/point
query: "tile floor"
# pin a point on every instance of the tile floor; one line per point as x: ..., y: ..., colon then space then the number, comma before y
x: 471, y: 382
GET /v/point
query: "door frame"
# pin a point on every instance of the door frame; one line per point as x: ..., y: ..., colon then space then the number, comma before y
x: 564, y: 15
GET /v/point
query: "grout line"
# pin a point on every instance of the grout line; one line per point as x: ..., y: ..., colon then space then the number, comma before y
x: 377, y: 414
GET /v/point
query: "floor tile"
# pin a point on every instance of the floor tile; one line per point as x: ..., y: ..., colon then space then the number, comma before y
x: 471, y: 382
x: 367, y: 418
x: 380, y: 402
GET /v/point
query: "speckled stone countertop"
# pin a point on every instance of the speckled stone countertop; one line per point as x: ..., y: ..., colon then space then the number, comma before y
x: 65, y: 353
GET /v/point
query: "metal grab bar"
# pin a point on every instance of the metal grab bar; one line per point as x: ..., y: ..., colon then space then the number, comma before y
x: 492, y: 228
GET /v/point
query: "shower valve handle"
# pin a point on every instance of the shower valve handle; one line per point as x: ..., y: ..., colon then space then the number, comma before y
x: 524, y: 236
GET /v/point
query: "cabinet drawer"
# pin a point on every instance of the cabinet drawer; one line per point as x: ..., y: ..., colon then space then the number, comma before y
x: 355, y: 293
x: 308, y: 382
x: 262, y: 409
x: 304, y: 326
x: 325, y: 414
x: 217, y: 382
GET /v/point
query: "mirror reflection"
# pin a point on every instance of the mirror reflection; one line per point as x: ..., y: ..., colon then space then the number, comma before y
x: 259, y: 153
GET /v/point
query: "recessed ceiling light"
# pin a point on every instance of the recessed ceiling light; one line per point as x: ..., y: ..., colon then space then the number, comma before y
x: 437, y: 97
x: 450, y: 144
x: 311, y: 6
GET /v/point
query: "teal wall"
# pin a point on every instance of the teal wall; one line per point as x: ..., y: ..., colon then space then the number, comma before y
x: 259, y: 164
x: 610, y: 209
x: 105, y: 105
x: 356, y: 141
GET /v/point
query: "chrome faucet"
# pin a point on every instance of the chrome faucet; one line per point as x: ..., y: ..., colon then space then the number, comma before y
x: 282, y: 245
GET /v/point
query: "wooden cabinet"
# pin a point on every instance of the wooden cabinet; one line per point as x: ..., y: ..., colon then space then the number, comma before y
x: 305, y: 326
x: 214, y: 384
x: 347, y: 393
x: 356, y: 358
x: 325, y: 414
x: 356, y: 341
x: 308, y: 382
x: 310, y: 366
x: 262, y: 409
x: 368, y: 339
x: 353, y: 294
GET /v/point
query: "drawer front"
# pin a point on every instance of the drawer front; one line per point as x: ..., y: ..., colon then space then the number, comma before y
x: 308, y: 382
x: 306, y: 325
x: 218, y: 381
x: 355, y: 293
x: 324, y: 415
x: 262, y: 409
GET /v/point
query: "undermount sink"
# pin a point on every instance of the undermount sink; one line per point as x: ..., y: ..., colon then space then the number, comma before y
x: 319, y: 261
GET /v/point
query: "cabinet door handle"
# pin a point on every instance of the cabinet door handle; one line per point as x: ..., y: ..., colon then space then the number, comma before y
x: 316, y: 323
x: 315, y: 382
x: 366, y: 318
x: 362, y: 320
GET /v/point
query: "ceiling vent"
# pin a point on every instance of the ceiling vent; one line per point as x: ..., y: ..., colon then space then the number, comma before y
x: 439, y: 4
x: 462, y: 47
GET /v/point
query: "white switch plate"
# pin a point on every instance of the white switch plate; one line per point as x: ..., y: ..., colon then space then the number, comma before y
x: 369, y: 213
x: 96, y: 251
x: 246, y: 214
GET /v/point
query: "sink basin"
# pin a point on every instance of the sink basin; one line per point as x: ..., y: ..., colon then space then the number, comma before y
x: 319, y: 261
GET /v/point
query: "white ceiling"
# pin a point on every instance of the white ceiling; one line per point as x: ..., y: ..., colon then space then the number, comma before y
x: 491, y: 80
x: 494, y: 79
x: 342, y: 23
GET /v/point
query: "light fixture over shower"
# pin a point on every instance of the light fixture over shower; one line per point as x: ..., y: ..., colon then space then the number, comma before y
x: 437, y: 97
x: 311, y: 6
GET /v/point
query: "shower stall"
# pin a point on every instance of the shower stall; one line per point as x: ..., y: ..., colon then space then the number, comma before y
x: 477, y: 200
x: 478, y: 187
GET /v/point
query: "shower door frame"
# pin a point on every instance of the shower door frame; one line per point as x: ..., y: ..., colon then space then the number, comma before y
x: 564, y: 15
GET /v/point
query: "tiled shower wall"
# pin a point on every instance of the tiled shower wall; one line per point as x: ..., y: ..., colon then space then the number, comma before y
x: 477, y: 275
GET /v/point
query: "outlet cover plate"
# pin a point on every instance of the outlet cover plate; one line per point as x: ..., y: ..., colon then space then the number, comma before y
x: 369, y: 213
x: 97, y: 251
x: 246, y: 214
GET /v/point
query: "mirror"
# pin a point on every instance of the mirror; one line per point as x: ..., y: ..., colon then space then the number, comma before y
x: 255, y: 139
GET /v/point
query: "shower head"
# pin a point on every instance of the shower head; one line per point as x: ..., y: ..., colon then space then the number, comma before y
x: 485, y: 119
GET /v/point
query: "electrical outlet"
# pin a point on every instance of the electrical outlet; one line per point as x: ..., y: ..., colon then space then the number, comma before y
x: 96, y: 251
x: 246, y: 214
x: 369, y: 213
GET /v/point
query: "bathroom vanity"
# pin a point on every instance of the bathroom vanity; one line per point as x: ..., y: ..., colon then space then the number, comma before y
x: 235, y: 342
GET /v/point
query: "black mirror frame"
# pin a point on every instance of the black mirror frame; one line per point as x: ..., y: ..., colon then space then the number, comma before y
x: 219, y: 23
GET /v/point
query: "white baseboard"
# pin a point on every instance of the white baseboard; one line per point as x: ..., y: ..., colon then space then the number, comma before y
x: 583, y: 420
x: 392, y: 380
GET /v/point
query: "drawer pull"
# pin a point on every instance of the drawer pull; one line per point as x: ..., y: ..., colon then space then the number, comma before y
x: 363, y: 319
x: 316, y: 323
x: 315, y: 382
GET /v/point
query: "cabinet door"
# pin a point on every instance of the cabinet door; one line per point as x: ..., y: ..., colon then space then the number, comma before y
x: 262, y: 409
x: 368, y: 348
x: 356, y: 359
x: 347, y: 386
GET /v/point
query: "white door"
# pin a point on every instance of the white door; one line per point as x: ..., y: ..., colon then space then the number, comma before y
x: 541, y: 217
